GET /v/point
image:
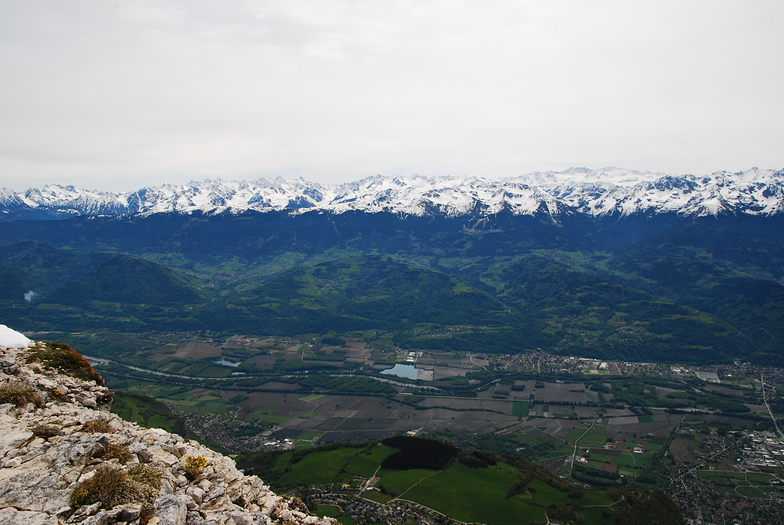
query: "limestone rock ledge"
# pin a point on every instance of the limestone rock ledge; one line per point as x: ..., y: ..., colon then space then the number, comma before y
x: 60, y: 434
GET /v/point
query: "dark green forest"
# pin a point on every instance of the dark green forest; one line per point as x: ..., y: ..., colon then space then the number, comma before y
x: 659, y: 288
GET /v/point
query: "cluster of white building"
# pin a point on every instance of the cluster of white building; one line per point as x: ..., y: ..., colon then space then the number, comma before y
x: 765, y: 449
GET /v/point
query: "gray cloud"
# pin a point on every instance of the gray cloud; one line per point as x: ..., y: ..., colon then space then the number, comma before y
x: 116, y: 95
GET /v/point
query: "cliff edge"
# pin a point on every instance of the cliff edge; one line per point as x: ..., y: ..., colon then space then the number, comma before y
x: 64, y: 458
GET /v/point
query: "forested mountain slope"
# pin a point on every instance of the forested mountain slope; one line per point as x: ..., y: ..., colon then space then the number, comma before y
x: 640, y: 287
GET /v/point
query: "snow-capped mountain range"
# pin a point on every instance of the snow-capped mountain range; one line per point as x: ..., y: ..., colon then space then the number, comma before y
x: 608, y: 191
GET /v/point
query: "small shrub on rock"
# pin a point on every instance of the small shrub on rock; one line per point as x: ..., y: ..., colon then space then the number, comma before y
x: 114, y: 451
x: 105, y: 399
x: 19, y: 394
x: 146, y: 474
x: 296, y: 503
x: 46, y: 431
x: 113, y: 487
x: 58, y: 394
x: 193, y: 466
x: 66, y: 360
x: 97, y: 426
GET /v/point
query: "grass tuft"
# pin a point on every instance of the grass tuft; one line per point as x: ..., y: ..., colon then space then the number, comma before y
x: 146, y: 474
x: 97, y: 426
x: 114, y: 451
x: 113, y: 487
x: 19, y: 394
x: 46, y: 431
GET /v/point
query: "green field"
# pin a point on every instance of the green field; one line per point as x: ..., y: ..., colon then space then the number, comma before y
x: 586, y: 439
x: 311, y: 398
x: 399, y: 481
x: 266, y: 414
x: 199, y: 403
x: 366, y: 463
x: 474, y: 495
x: 520, y: 409
x: 693, y: 443
x: 319, y: 468
x: 503, y: 492
x: 330, y: 511
x: 748, y: 485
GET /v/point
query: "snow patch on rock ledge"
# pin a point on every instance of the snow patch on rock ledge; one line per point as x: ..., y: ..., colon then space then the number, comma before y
x: 10, y: 338
x: 38, y: 474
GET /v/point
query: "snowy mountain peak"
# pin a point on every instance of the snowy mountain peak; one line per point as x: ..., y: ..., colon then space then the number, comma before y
x: 605, y: 191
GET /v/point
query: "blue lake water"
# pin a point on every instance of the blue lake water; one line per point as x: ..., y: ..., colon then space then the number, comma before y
x: 407, y: 371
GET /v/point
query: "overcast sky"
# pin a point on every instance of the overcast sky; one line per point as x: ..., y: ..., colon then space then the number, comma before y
x: 120, y: 94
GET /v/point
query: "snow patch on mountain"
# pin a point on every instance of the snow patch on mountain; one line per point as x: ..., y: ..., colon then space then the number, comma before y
x: 606, y: 191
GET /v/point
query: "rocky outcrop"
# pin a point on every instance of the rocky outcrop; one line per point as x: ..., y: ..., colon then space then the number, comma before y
x: 65, y: 459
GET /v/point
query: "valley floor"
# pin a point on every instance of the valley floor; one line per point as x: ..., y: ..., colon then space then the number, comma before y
x: 702, y: 434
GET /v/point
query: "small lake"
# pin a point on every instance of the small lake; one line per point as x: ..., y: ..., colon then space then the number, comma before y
x: 407, y: 371
x: 226, y: 362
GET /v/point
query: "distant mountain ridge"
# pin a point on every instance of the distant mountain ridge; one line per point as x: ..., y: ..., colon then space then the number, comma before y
x: 599, y: 192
